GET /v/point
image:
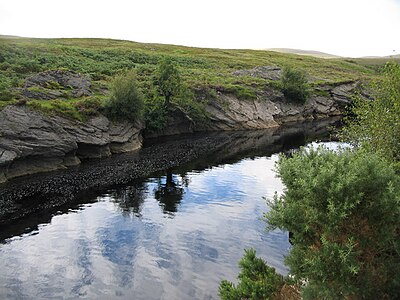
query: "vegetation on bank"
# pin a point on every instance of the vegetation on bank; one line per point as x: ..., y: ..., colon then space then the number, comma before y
x: 257, y: 280
x: 294, y: 85
x: 202, y: 72
x: 342, y: 209
x: 126, y: 100
x: 375, y: 123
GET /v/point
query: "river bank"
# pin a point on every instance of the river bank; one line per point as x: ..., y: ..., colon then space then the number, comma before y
x: 27, y: 195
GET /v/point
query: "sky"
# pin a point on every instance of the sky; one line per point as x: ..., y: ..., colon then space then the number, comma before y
x: 351, y: 28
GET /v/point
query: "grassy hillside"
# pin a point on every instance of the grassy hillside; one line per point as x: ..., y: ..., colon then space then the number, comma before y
x: 202, y: 69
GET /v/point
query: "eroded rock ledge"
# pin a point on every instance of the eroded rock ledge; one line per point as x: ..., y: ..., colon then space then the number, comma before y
x: 270, y: 109
x: 32, y: 142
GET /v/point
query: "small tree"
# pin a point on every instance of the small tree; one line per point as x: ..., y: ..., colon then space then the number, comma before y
x: 168, y: 79
x: 126, y: 101
x: 294, y: 85
x: 344, y: 211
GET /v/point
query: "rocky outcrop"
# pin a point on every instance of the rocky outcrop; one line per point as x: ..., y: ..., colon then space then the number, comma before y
x: 265, y: 72
x: 32, y: 142
x: 54, y: 84
x: 230, y: 113
x: 271, y: 109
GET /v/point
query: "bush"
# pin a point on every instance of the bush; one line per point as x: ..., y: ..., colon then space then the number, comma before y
x: 6, y: 88
x: 375, y: 124
x: 294, y: 85
x: 155, y: 114
x: 256, y: 280
x: 168, y: 79
x: 126, y: 101
x: 344, y: 211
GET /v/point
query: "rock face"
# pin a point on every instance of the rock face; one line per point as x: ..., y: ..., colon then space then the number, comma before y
x: 271, y: 109
x: 53, y: 84
x: 32, y: 142
x: 266, y: 72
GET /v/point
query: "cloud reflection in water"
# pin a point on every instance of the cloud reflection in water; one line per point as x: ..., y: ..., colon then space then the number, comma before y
x: 171, y: 237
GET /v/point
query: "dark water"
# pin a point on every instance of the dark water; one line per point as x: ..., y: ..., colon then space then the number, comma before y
x: 175, y: 235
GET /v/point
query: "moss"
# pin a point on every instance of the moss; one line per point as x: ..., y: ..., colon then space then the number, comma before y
x: 322, y: 93
x: 54, y: 85
x: 89, y: 106
x: 37, y: 89
x: 3, y: 104
x: 59, y: 107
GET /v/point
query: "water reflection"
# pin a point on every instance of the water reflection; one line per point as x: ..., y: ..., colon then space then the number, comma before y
x: 120, y: 245
x: 169, y: 193
x: 130, y: 199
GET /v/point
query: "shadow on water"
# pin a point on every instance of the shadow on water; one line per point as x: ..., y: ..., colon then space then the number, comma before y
x: 230, y: 148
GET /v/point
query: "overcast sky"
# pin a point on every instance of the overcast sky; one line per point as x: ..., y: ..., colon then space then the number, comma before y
x: 341, y: 27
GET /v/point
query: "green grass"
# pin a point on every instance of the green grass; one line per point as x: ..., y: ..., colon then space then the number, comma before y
x: 201, y: 69
x: 77, y: 109
x: 3, y: 104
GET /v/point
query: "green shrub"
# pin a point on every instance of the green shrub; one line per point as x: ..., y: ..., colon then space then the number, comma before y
x: 344, y: 211
x: 294, y: 85
x: 126, y: 101
x: 196, y: 110
x: 155, y: 114
x: 375, y: 124
x: 6, y: 92
x: 256, y: 280
x: 168, y: 79
x: 26, y: 66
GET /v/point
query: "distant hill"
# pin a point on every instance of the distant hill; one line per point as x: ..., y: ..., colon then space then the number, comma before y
x: 5, y: 36
x: 397, y: 56
x: 304, y: 52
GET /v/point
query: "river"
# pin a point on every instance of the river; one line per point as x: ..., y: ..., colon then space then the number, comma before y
x: 172, y: 235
